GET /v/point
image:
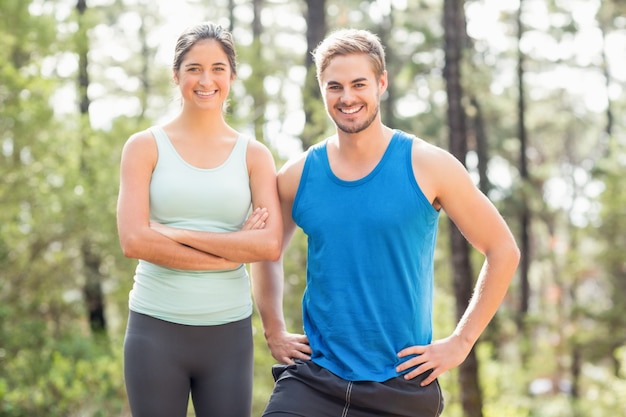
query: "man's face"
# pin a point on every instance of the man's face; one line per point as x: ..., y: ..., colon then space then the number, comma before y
x: 352, y: 92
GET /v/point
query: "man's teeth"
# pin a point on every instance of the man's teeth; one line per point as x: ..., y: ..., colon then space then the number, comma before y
x: 351, y: 110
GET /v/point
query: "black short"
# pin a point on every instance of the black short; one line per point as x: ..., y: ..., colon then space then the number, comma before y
x: 308, y: 390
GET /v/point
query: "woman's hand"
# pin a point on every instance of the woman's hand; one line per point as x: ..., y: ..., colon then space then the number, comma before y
x: 256, y: 220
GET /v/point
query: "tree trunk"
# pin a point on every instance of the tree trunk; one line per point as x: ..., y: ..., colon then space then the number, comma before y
x: 481, y: 146
x: 91, y: 260
x: 384, y: 32
x: 610, y: 118
x: 146, y: 56
x: 523, y: 169
x: 314, y: 113
x: 454, y: 24
x: 231, y: 16
x: 256, y: 86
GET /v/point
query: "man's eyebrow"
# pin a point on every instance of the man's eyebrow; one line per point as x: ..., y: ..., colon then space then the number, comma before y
x: 356, y: 80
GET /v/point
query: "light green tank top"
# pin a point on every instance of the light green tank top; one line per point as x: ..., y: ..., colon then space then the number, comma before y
x: 217, y: 200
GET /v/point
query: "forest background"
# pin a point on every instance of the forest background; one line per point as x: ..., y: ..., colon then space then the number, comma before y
x: 529, y: 94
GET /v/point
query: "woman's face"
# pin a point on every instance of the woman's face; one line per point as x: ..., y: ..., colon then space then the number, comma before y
x: 204, y: 76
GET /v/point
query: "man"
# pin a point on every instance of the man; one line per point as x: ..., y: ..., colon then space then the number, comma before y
x: 368, y: 199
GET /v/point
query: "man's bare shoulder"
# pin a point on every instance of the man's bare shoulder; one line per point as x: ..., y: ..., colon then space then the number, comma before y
x: 294, y: 166
x: 437, y: 170
x: 424, y: 152
x: 289, y: 175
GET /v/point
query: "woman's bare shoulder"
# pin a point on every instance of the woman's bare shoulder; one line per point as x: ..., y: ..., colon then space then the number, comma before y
x: 142, y: 145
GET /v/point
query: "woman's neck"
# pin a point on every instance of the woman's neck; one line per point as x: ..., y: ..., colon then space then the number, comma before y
x: 202, y: 124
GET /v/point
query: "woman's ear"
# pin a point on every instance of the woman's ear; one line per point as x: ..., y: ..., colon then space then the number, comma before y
x: 175, y: 77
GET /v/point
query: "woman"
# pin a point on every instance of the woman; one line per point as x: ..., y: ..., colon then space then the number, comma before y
x: 184, y: 210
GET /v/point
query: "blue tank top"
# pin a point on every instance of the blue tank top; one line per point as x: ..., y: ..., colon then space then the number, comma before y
x: 216, y: 200
x: 370, y: 263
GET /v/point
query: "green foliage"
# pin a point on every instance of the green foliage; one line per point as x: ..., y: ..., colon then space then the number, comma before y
x: 65, y: 377
x: 611, y: 231
x: 263, y: 361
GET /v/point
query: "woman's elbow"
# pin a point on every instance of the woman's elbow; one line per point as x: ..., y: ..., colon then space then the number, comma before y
x: 131, y: 245
x: 273, y: 249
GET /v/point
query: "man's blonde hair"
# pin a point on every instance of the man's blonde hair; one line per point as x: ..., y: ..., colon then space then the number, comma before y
x: 347, y: 42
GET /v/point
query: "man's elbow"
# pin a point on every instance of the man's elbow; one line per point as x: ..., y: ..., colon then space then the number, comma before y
x: 518, y: 255
x: 512, y: 253
x: 505, y: 252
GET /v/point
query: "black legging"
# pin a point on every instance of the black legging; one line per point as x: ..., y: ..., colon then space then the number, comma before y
x: 164, y: 362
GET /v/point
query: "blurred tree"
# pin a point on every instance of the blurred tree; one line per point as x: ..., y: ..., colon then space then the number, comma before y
x: 612, y: 233
x: 524, y: 210
x: 463, y: 279
x: 43, y: 336
x: 91, y: 259
x: 610, y: 21
x: 33, y: 273
x: 255, y: 84
x: 314, y: 114
x: 612, y: 228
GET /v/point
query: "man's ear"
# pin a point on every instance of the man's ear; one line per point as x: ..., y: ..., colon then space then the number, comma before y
x: 383, y: 82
